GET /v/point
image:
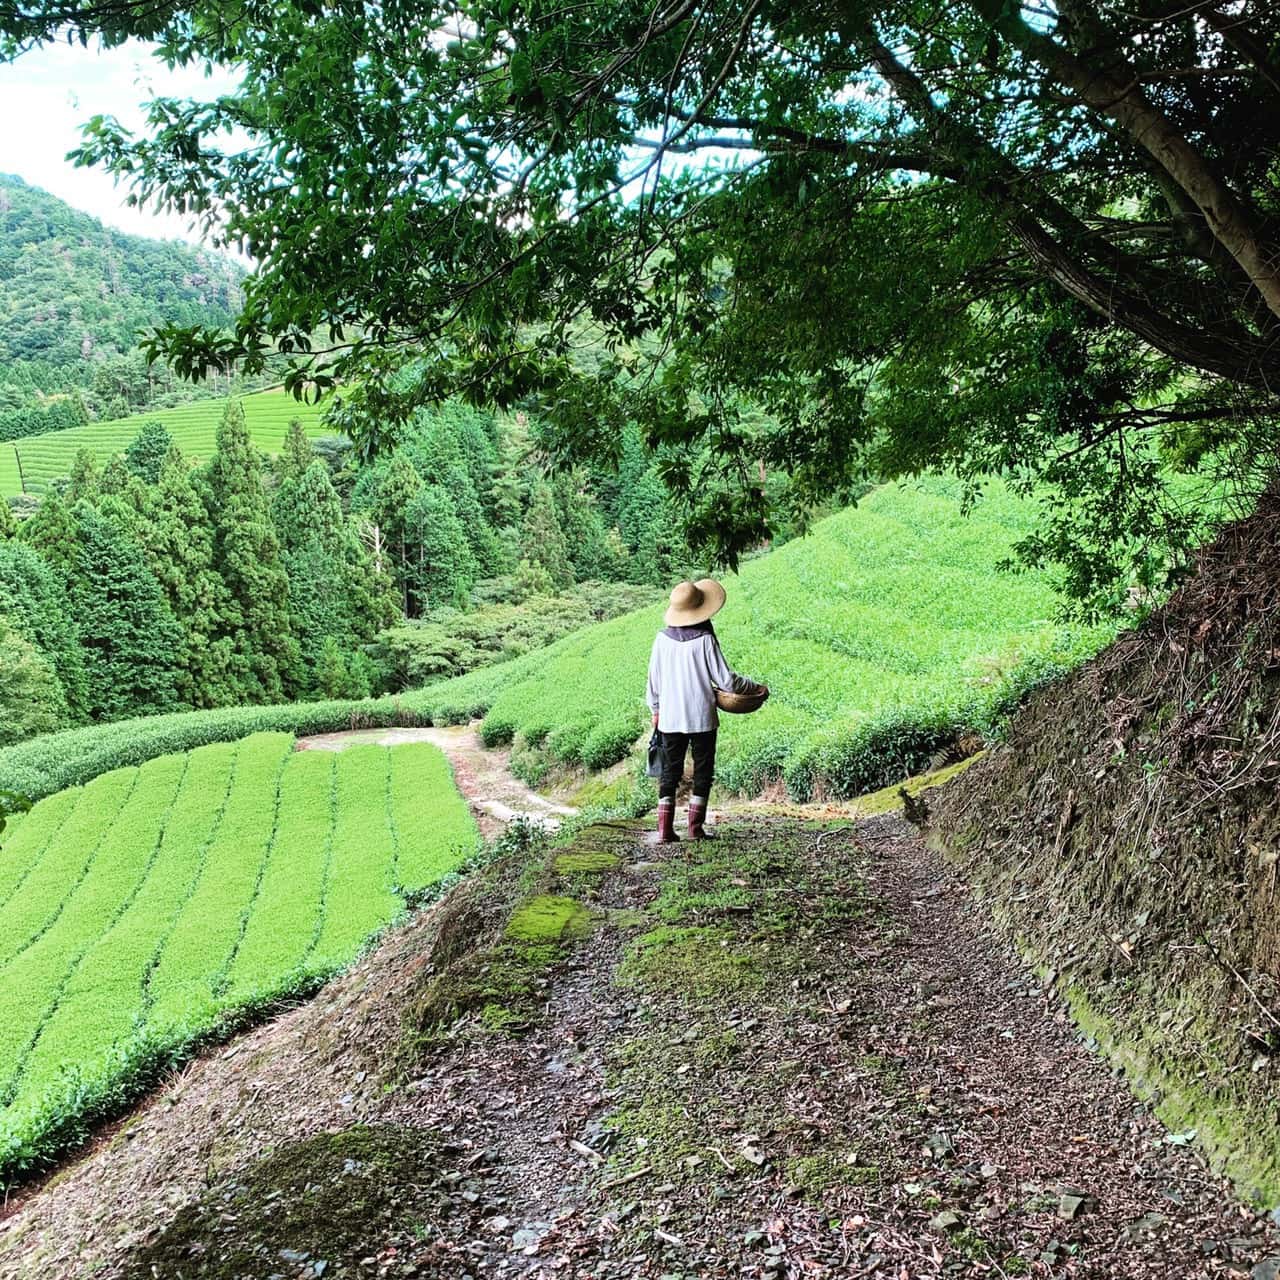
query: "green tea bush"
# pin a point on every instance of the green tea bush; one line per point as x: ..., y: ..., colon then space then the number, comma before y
x: 192, y: 427
x: 160, y: 905
x: 882, y: 635
x: 55, y: 761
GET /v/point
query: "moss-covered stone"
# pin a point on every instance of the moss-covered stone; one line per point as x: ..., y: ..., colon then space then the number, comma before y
x: 332, y: 1199
x: 548, y: 919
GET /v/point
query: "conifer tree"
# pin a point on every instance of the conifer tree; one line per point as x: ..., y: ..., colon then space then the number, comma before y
x: 509, y: 487
x: 584, y: 528
x: 441, y: 568
x: 362, y: 675
x: 115, y: 476
x: 543, y: 539
x: 34, y: 597
x: 246, y: 554
x: 400, y: 483
x: 440, y: 459
x: 177, y: 536
x: 335, y: 592
x: 617, y: 559
x: 296, y: 455
x: 31, y: 695
x: 130, y: 638
x: 332, y: 679
x: 306, y: 507
x: 52, y: 533
x: 117, y: 481
x: 84, y: 477
x: 147, y: 451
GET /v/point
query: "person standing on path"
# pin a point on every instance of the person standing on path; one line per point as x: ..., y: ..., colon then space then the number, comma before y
x: 686, y: 668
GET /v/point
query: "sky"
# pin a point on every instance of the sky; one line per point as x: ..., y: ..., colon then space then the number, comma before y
x: 46, y: 95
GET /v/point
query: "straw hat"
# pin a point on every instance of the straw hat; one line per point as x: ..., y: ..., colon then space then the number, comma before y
x: 693, y: 602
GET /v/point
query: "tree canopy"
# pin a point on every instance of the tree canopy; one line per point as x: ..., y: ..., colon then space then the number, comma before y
x: 830, y: 240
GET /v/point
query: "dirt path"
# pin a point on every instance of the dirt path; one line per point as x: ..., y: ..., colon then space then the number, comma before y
x: 797, y: 1052
x: 482, y: 774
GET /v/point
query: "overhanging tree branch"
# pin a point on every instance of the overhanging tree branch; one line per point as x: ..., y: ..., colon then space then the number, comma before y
x: 1121, y: 98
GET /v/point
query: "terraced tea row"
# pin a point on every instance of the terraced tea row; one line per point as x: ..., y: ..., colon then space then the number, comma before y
x: 31, y: 463
x: 139, y: 912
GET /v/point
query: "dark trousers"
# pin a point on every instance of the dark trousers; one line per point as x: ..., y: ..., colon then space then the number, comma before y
x: 674, y: 746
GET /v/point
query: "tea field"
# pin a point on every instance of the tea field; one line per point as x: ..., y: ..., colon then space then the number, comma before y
x: 31, y: 463
x: 145, y: 910
x: 881, y: 634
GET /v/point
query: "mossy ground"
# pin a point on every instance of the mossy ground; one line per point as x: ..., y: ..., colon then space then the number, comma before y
x: 792, y: 1051
x: 498, y: 945
x: 743, y: 927
x: 331, y: 1200
x: 548, y: 920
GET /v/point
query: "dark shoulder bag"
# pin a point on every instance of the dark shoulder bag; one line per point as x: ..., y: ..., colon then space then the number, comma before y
x: 654, y: 769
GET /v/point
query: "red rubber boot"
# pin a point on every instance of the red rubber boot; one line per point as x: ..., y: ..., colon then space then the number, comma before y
x: 667, y: 821
x: 697, y: 817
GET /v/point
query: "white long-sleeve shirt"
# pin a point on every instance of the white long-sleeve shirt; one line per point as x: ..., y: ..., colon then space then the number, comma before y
x: 683, y: 678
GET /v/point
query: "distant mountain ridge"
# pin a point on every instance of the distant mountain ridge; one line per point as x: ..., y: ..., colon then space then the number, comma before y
x: 72, y: 289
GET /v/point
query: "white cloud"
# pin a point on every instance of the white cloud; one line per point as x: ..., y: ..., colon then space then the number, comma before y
x: 46, y: 95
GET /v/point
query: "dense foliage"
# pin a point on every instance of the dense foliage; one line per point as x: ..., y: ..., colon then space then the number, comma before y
x: 448, y: 642
x: 53, y: 762
x: 143, y: 911
x: 994, y: 237
x: 74, y: 298
x: 884, y: 634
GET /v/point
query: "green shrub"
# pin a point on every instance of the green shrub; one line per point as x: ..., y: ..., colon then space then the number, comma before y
x: 50, y: 763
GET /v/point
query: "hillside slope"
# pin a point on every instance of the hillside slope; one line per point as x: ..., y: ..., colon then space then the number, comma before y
x: 73, y: 290
x: 799, y: 1055
x: 1128, y: 832
x: 150, y: 909
x: 882, y: 634
x: 28, y: 465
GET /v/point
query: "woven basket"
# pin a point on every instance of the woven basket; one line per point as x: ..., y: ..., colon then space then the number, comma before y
x: 741, y: 704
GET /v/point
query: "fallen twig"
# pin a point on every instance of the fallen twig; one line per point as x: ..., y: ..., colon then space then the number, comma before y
x: 629, y: 1177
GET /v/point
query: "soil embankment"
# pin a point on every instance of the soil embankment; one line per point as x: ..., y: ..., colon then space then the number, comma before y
x: 1127, y: 834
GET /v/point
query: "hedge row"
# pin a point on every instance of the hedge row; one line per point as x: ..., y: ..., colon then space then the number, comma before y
x: 57, y: 760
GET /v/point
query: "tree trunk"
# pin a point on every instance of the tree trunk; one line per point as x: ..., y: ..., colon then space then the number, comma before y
x: 1123, y: 100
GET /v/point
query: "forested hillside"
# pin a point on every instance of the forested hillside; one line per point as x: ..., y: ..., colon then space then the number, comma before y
x: 159, y: 582
x: 74, y: 296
